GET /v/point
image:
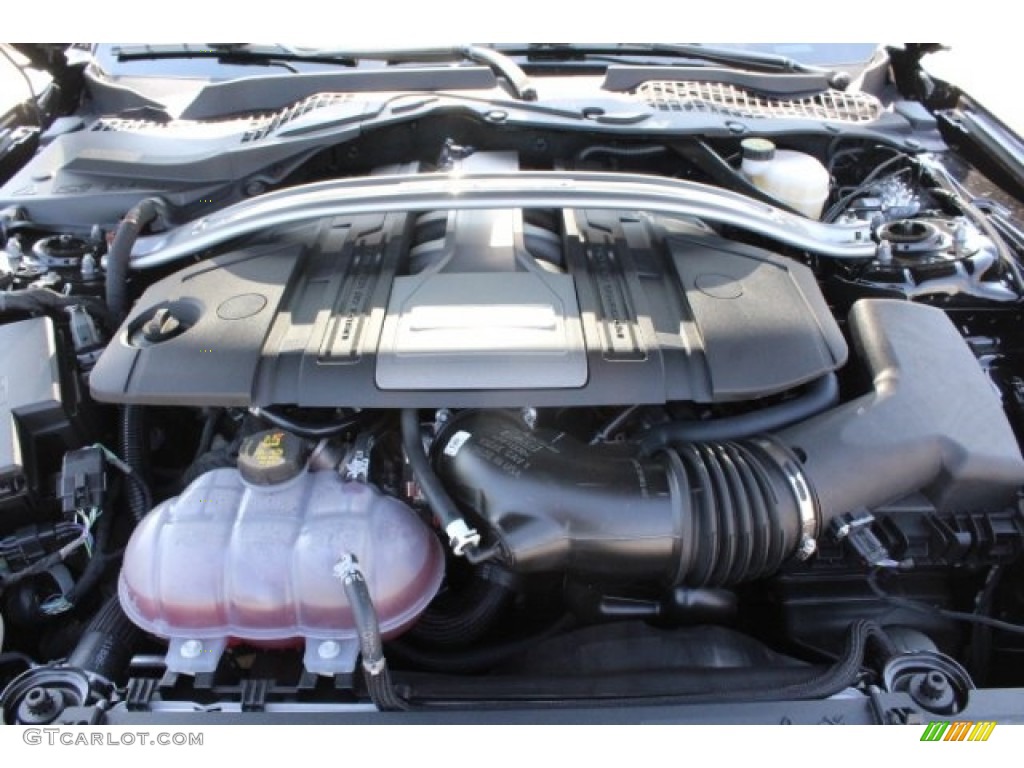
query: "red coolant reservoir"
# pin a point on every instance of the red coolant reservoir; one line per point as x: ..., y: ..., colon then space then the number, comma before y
x: 232, y: 560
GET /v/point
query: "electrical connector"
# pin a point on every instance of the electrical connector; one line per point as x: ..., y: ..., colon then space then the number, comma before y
x: 855, y: 529
x: 83, y: 480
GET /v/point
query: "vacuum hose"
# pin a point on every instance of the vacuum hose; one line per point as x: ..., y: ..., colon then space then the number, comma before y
x: 463, y: 539
x: 120, y: 254
x: 820, y: 395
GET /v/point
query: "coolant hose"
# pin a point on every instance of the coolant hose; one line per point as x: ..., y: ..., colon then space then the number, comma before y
x: 107, y: 644
x: 48, y: 301
x: 461, y: 617
x: 819, y: 396
x: 463, y: 539
x: 371, y: 645
x: 310, y: 431
x: 120, y: 254
x: 133, y: 450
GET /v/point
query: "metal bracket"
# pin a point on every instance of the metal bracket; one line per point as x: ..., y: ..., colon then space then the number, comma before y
x: 521, y: 189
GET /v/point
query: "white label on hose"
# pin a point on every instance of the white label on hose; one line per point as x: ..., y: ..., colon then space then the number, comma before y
x: 455, y: 444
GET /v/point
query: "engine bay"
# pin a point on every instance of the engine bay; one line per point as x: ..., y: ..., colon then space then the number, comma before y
x: 504, y: 416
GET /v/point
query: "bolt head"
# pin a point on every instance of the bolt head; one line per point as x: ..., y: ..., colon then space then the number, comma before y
x: 191, y: 649
x: 41, y: 702
x: 329, y: 649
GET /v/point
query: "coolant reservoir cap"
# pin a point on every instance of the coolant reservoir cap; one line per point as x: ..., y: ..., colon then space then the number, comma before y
x: 757, y: 149
x: 271, y: 457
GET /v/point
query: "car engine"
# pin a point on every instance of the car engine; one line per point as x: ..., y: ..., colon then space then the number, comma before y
x: 458, y: 413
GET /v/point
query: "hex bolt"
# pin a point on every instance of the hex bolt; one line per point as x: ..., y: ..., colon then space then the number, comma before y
x: 41, y: 702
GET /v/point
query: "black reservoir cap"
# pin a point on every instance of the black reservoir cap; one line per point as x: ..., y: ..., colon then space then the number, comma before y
x: 757, y: 149
x: 272, y: 457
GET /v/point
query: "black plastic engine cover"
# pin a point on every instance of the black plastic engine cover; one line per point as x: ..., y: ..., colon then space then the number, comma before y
x: 642, y: 310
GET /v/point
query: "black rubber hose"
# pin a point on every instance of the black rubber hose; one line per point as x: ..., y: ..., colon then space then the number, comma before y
x: 119, y: 256
x: 506, y: 67
x: 133, y: 450
x: 640, y: 151
x: 461, y: 617
x: 371, y: 645
x: 12, y: 657
x: 49, y: 302
x: 220, y: 459
x: 383, y: 694
x: 833, y: 211
x: 819, y: 396
x: 1006, y: 256
x: 715, y: 166
x: 365, y: 617
x: 310, y: 431
x: 209, y: 430
x: 430, y: 485
x: 107, y: 644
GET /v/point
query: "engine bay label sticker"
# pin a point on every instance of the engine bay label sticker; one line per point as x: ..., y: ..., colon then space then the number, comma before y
x: 455, y: 444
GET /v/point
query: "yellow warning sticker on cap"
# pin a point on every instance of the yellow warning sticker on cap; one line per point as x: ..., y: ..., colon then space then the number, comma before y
x: 270, y: 451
